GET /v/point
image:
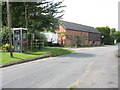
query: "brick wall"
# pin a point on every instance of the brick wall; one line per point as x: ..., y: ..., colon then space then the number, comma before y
x: 94, y: 42
x: 61, y: 39
x: 73, y: 33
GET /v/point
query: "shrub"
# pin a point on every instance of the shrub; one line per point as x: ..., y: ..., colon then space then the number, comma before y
x: 80, y: 40
x: 109, y: 40
x: 6, y: 47
x: 4, y: 35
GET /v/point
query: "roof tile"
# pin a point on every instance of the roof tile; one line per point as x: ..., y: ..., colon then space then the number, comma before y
x: 79, y: 27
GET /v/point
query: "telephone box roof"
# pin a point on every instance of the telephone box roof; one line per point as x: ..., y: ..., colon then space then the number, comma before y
x: 20, y: 29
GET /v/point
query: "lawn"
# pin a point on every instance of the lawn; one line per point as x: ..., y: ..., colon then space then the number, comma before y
x: 53, y: 51
x: 72, y: 87
x: 17, y: 56
x: 56, y: 51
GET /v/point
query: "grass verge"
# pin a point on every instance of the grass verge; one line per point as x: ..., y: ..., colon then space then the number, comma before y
x: 17, y: 57
x: 118, y: 56
x: 53, y: 51
x: 57, y: 51
x: 73, y: 87
x: 118, y: 53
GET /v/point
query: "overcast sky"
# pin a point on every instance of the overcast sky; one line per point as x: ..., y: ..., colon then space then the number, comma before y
x: 92, y: 12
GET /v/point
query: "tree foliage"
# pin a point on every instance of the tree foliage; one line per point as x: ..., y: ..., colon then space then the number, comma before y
x: 117, y: 35
x: 106, y: 36
x: 4, y: 35
x: 112, y: 30
x: 80, y: 40
x: 105, y: 31
x: 35, y: 16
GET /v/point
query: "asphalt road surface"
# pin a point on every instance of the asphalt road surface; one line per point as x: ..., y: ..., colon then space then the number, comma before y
x: 86, y: 68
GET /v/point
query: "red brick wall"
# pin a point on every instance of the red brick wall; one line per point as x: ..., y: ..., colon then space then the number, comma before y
x: 61, y: 40
x: 67, y: 41
x: 96, y: 42
x: 86, y: 37
x: 74, y: 33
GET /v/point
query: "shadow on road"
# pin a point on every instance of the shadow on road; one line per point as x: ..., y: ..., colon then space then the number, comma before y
x: 79, y: 55
x: 66, y: 58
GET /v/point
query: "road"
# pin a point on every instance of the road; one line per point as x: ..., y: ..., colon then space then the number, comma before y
x: 86, y: 68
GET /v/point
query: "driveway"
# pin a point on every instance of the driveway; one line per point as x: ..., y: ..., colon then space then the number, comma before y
x: 86, y: 68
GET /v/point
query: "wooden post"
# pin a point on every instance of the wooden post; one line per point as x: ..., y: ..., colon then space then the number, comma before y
x: 9, y: 28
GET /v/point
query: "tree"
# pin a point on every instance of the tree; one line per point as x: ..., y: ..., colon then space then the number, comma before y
x: 117, y: 35
x: 80, y: 40
x: 9, y: 28
x: 112, y: 31
x: 36, y: 16
x: 4, y: 35
x: 0, y: 38
x: 106, y: 36
x: 105, y: 31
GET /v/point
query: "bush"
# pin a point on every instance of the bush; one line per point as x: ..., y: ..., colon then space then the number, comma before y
x: 109, y: 40
x: 6, y: 47
x: 80, y: 40
x: 4, y: 35
x: 117, y: 35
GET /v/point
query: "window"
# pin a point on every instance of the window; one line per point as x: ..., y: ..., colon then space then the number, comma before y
x: 76, y: 36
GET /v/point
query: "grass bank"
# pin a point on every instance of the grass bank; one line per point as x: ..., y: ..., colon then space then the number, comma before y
x: 118, y: 53
x: 53, y: 51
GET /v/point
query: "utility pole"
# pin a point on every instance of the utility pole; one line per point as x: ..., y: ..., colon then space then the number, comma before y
x: 9, y: 27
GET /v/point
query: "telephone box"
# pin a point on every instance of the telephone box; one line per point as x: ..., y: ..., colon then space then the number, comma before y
x: 20, y: 39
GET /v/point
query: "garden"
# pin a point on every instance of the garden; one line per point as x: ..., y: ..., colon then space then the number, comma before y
x: 34, y: 48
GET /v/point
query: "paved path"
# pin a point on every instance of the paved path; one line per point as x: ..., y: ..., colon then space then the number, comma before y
x: 92, y: 67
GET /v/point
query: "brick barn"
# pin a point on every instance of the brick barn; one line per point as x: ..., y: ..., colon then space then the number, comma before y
x: 68, y: 33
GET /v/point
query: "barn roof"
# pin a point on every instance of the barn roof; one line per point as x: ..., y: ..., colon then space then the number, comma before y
x: 78, y: 27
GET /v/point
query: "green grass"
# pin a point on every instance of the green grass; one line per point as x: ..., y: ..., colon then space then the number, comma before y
x: 17, y: 56
x: 53, y: 51
x: 56, y: 51
x: 73, y: 87
x: 118, y: 56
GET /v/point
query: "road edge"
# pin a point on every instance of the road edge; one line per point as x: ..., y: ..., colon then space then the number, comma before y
x: 24, y: 61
